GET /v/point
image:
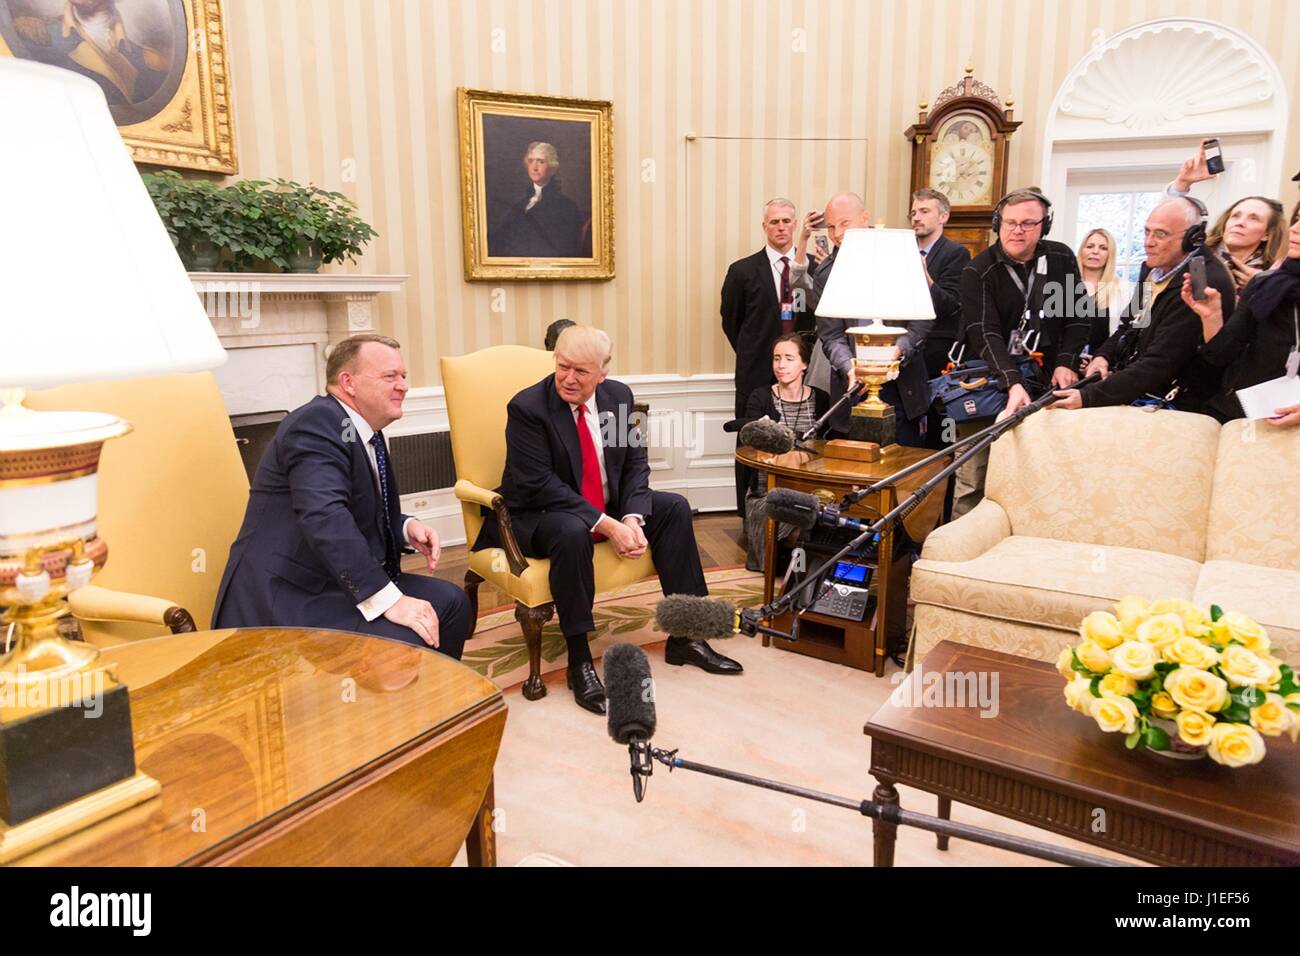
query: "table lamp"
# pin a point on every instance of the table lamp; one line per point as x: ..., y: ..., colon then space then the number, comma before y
x: 92, y: 289
x: 878, y: 277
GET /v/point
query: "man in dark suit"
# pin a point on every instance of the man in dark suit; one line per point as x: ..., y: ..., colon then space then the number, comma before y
x: 758, y: 306
x: 544, y: 223
x: 576, y: 472
x: 323, y: 535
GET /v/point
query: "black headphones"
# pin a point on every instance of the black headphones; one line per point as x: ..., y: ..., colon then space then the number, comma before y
x: 1047, y: 209
x: 1194, y: 237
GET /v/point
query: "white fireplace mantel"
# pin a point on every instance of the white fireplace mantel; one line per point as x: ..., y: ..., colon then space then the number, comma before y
x: 277, y: 329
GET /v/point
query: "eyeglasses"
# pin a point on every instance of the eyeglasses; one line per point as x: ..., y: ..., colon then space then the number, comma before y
x: 1159, y: 235
x: 1025, y: 226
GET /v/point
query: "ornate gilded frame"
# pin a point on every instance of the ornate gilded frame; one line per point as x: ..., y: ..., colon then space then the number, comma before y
x: 195, y: 129
x: 473, y: 105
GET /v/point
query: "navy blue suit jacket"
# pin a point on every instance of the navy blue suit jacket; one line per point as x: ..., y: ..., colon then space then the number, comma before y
x: 543, y: 470
x: 311, y: 535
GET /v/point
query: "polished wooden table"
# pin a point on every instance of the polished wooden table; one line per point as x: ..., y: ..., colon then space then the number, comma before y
x: 286, y: 747
x: 1041, y: 763
x: 861, y: 645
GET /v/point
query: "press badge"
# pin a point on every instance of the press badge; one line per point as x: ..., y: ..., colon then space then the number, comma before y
x: 1042, y: 265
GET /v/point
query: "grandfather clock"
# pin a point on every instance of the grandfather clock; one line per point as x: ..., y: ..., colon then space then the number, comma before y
x: 960, y: 148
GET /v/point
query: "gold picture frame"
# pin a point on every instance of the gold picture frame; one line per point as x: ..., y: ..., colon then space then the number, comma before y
x: 162, y: 65
x: 549, y: 219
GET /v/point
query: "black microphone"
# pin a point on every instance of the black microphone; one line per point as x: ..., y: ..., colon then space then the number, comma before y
x: 804, y: 510
x: 695, y: 618
x: 629, y: 693
x: 763, y: 434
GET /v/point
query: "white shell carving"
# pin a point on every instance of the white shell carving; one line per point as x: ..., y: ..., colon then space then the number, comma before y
x: 1165, y: 74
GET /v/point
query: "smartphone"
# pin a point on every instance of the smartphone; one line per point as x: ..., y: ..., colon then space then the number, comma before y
x: 1196, y: 269
x: 823, y: 243
x: 1213, y: 156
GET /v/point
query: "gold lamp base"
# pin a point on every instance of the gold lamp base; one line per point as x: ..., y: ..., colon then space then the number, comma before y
x: 50, y: 827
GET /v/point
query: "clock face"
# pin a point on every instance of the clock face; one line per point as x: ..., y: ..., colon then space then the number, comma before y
x: 961, y: 161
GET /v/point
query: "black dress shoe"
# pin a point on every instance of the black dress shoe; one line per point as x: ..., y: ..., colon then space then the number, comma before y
x: 587, y: 689
x: 681, y: 651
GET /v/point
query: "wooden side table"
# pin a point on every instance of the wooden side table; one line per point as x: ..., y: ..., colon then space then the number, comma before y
x: 287, y: 747
x: 854, y: 644
x: 1041, y: 763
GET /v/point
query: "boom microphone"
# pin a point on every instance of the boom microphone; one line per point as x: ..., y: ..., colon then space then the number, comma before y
x: 767, y: 435
x: 804, y: 510
x: 629, y: 691
x: 695, y: 618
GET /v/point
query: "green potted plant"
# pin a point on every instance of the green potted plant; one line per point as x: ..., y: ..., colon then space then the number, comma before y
x: 205, y: 220
x: 314, y: 224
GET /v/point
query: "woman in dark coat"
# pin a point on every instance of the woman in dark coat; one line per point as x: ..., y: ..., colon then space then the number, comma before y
x: 792, y: 403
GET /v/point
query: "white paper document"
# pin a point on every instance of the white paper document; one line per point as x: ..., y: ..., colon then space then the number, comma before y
x: 1264, y: 399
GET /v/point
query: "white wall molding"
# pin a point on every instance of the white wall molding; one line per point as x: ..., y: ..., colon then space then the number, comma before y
x: 689, y: 452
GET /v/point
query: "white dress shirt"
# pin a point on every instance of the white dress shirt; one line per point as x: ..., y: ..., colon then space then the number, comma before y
x: 379, y: 602
x: 592, y: 417
x: 775, y: 258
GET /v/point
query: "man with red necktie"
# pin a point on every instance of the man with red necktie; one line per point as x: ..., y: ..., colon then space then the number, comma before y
x: 577, y: 473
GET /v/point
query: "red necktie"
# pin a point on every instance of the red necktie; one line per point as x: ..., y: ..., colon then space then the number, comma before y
x: 592, y: 488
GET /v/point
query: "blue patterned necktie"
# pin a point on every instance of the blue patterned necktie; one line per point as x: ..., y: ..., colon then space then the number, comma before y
x: 392, y: 564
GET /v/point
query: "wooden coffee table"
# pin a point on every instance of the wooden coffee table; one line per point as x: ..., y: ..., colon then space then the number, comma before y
x: 1040, y: 763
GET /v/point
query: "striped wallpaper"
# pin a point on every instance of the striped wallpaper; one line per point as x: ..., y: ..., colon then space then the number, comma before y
x: 798, y: 98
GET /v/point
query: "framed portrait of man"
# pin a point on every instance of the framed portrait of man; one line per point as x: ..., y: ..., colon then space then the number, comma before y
x: 160, y: 63
x: 537, y: 189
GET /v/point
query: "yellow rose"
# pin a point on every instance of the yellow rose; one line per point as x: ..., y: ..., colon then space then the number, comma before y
x: 1135, y: 659
x: 1194, y: 619
x: 1093, y: 656
x: 1243, y: 668
x: 1131, y: 610
x: 1274, y: 672
x: 1115, y: 684
x: 1114, y: 714
x: 1191, y: 687
x: 1191, y: 652
x: 1101, y: 627
x: 1273, y: 717
x: 1064, y: 664
x: 1161, y: 629
x: 1077, y: 694
x: 1195, y: 727
x: 1162, y: 705
x: 1235, y: 626
x: 1236, y: 745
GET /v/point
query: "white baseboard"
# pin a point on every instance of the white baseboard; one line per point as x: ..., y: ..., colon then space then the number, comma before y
x: 696, y: 458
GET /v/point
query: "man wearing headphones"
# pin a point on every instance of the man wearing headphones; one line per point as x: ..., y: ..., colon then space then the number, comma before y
x: 1018, y: 301
x: 1158, y: 334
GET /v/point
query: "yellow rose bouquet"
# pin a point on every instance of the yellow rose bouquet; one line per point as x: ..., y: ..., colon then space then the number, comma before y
x: 1181, y: 681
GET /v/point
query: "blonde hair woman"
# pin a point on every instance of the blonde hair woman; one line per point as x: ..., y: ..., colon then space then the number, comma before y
x: 1097, y: 267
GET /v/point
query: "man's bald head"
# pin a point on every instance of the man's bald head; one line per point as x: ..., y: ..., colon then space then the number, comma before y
x: 845, y: 211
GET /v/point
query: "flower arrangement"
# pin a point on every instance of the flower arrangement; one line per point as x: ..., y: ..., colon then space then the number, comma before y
x: 1178, y: 680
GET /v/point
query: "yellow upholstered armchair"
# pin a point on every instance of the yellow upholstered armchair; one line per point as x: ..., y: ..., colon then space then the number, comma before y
x: 478, y: 388
x: 172, y: 494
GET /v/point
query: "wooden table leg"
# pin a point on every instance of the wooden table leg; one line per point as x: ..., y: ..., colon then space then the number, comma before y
x: 945, y: 813
x: 883, y: 833
x: 481, y: 843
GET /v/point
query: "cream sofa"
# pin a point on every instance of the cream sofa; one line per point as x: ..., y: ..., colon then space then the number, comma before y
x: 1082, y: 508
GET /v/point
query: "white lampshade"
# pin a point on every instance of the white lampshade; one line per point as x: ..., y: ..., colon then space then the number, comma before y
x: 91, y: 286
x: 877, y: 275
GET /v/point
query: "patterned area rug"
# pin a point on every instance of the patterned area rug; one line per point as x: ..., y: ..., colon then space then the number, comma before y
x: 497, y: 650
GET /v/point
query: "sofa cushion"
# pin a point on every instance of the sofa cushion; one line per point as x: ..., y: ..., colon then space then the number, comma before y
x: 1256, y: 496
x: 1269, y: 595
x: 1109, y: 476
x: 1048, y: 583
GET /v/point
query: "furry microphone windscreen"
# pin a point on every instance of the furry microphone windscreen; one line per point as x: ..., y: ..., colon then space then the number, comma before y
x: 694, y: 618
x: 793, y: 507
x: 629, y: 690
x: 767, y: 435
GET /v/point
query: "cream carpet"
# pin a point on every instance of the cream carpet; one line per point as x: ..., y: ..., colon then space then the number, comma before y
x: 563, y: 790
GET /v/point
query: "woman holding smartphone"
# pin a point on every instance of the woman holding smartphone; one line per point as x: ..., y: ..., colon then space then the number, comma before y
x: 1260, y: 341
x: 1249, y: 235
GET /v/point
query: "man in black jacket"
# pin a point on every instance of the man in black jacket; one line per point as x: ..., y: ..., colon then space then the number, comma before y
x: 758, y: 306
x: 577, y: 472
x: 544, y: 223
x: 944, y: 261
x: 1018, y: 299
x: 1158, y: 335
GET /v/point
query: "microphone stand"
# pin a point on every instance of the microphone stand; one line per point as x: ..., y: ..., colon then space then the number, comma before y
x: 841, y: 402
x: 889, y: 813
x: 996, y: 429
x: 751, y: 618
